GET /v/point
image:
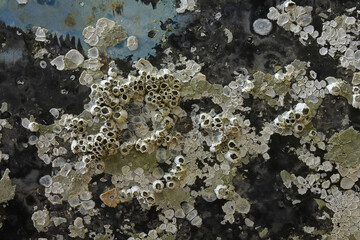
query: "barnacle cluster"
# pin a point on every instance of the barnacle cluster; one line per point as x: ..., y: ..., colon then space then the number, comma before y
x: 105, y: 33
x: 131, y: 127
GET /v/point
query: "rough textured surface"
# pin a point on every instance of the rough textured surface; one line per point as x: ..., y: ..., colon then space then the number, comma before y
x: 277, y: 211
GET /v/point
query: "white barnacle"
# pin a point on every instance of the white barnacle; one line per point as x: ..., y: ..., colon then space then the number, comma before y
x: 186, y: 5
x: 356, y: 101
x: 334, y: 88
x: 180, y: 160
x: 170, y: 184
x: 299, y: 127
x: 283, y: 19
x: 232, y: 156
x: 33, y: 127
x: 93, y: 52
x: 58, y: 62
x: 219, y: 191
x: 40, y: 34
x: 158, y: 186
x: 22, y: 1
x: 73, y: 59
x: 273, y: 14
x: 132, y: 43
x: 229, y: 35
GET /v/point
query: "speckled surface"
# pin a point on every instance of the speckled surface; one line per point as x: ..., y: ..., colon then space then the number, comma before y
x: 30, y: 90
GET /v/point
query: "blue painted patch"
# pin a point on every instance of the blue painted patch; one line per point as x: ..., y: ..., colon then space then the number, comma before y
x: 11, y: 56
x: 48, y: 2
x: 70, y: 17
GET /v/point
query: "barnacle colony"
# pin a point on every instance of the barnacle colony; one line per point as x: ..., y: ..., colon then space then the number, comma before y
x: 133, y: 129
x: 129, y: 127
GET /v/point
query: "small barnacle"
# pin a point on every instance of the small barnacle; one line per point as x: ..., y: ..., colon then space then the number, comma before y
x: 132, y: 43
x: 302, y: 108
x: 283, y: 19
x: 179, y: 213
x: 142, y: 146
x: 40, y: 32
x: 93, y: 52
x: 124, y: 98
x: 167, y: 122
x: 168, y: 177
x: 135, y: 191
x: 172, y: 104
x: 356, y: 78
x: 273, y: 14
x: 232, y: 156
x: 356, y: 89
x: 356, y: 101
x: 304, y: 20
x: 87, y: 205
x: 232, y: 144
x: 158, y: 186
x: 170, y: 184
x: 58, y: 62
x: 116, y: 91
x: 144, y: 193
x: 179, y: 169
x: 219, y: 191
x: 206, y: 120
x: 180, y: 160
x: 334, y: 88
x: 33, y: 127
x: 106, y: 111
x: 299, y: 127
x: 289, y: 6
x: 22, y: 1
x: 120, y: 116
x: 150, y: 200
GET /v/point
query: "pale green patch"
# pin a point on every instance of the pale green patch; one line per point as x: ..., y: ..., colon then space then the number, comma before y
x: 343, y: 148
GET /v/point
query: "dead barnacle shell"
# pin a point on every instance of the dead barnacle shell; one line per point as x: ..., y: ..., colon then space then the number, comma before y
x: 110, y: 198
x: 41, y: 220
x: 242, y: 205
x: 132, y: 43
x: 73, y: 59
x: 356, y: 79
x: 262, y: 26
x: 58, y: 62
